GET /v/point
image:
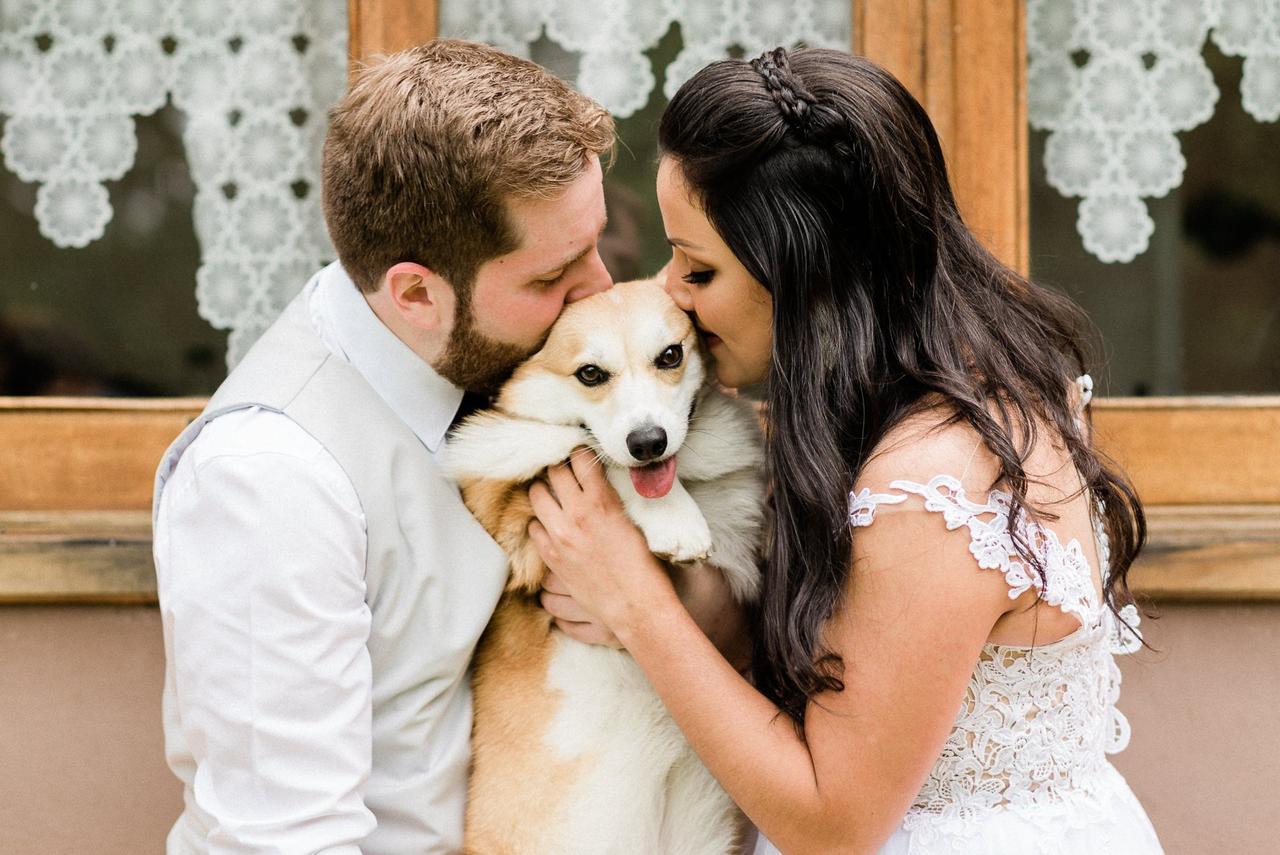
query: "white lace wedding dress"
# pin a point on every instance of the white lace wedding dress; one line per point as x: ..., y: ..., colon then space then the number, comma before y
x: 1024, y: 771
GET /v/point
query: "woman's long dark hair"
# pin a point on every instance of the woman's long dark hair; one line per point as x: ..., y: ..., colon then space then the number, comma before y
x: 824, y: 177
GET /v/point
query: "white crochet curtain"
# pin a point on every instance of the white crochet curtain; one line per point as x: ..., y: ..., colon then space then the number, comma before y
x: 253, y: 78
x: 611, y: 37
x: 1114, y: 81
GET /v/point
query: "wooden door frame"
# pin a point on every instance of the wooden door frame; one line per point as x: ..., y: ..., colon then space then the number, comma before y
x: 386, y: 26
x: 76, y: 474
x: 966, y: 63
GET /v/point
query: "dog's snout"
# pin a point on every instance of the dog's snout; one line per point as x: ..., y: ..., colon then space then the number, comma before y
x: 647, y: 443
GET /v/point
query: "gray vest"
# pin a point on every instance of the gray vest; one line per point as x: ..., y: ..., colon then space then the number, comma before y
x: 433, y: 577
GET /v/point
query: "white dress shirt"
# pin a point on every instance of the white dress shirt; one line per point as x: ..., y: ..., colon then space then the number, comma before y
x: 271, y: 670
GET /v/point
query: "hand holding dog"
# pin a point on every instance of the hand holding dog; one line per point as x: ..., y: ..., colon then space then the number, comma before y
x: 572, y: 619
x: 600, y: 559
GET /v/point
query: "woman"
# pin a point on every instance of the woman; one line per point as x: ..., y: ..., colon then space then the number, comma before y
x: 940, y: 514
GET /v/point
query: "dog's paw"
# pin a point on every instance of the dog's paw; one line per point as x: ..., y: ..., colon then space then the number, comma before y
x: 680, y: 544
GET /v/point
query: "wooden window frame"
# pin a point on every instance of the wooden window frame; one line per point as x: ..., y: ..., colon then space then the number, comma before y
x: 76, y: 474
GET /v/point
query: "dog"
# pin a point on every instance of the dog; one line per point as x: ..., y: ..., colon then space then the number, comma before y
x: 572, y: 751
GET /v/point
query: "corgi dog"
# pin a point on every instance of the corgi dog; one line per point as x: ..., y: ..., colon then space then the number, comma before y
x: 572, y: 751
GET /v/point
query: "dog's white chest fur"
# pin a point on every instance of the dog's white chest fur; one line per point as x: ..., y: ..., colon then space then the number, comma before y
x: 637, y: 786
x: 643, y: 790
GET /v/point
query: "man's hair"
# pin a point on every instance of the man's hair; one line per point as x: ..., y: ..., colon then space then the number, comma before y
x: 428, y: 145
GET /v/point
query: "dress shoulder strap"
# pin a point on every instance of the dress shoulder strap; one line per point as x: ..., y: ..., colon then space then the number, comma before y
x: 863, y: 504
x: 1064, y: 577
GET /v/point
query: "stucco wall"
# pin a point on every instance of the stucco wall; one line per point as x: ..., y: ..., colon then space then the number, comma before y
x: 1205, y: 753
x: 82, y: 766
x: 81, y: 753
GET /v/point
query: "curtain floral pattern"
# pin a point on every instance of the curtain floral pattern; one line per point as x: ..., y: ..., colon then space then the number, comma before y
x: 253, y: 80
x: 1115, y: 81
x: 611, y: 37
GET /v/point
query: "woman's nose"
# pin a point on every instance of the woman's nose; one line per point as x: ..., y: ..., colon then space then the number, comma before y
x: 677, y: 289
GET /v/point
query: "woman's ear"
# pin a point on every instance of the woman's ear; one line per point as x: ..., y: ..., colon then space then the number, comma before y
x: 422, y: 297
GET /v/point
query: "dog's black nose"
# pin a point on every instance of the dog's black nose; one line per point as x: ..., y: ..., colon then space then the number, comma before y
x: 647, y: 443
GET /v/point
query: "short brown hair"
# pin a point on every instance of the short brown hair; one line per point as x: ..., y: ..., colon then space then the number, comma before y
x: 426, y: 147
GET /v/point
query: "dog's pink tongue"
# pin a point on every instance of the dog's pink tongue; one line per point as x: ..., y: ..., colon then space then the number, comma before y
x: 654, y: 481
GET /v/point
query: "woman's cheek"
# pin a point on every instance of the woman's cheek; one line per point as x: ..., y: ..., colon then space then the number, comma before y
x: 722, y: 365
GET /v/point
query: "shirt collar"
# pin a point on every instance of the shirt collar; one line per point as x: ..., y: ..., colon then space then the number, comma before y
x: 423, y: 400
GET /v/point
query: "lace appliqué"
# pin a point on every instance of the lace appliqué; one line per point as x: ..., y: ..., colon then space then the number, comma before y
x: 862, y: 506
x: 1036, y: 723
x: 1067, y: 582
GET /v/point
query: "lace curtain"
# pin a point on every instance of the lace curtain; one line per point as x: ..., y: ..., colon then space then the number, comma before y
x: 253, y: 79
x: 611, y: 37
x: 1114, y: 81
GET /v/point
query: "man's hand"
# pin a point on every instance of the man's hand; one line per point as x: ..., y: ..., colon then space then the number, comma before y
x: 704, y: 592
x: 575, y: 621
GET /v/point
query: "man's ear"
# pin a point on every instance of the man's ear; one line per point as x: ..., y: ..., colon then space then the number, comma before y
x: 421, y: 296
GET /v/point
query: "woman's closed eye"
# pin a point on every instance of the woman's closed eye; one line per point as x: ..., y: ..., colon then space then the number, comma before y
x: 699, y: 277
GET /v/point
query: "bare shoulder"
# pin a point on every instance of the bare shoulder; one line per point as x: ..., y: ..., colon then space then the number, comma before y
x: 928, y: 444
x: 935, y: 443
x: 902, y: 547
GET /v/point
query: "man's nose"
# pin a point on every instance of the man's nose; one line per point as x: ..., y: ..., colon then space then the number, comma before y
x: 594, y: 280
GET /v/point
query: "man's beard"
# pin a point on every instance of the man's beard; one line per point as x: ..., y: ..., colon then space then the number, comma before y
x: 475, y: 362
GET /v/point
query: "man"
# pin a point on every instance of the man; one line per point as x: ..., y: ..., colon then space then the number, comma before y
x: 322, y: 587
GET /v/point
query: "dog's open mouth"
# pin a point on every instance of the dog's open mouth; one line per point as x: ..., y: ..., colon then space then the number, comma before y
x: 654, y: 480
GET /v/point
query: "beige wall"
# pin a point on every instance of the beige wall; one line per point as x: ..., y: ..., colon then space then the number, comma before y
x: 1205, y: 710
x: 82, y: 767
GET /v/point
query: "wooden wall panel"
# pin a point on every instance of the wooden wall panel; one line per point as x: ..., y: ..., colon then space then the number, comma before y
x: 85, y: 453
x: 101, y: 454
x: 966, y: 63
x: 892, y: 33
x: 76, y: 557
x: 1182, y: 451
x: 386, y: 26
x: 1207, y: 553
x: 76, y: 476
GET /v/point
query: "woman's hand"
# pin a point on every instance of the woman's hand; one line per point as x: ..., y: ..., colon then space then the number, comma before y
x: 596, y: 552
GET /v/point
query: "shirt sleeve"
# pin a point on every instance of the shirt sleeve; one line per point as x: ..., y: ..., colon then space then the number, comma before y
x: 260, y: 563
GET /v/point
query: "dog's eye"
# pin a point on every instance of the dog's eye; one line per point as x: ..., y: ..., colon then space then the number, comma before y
x: 591, y: 375
x: 671, y: 357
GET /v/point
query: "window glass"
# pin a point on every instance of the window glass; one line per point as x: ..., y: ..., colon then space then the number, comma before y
x: 634, y: 244
x: 1199, y: 311
x: 117, y: 317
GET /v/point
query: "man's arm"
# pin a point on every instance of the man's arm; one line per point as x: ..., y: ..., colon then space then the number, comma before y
x: 705, y: 594
x: 260, y: 547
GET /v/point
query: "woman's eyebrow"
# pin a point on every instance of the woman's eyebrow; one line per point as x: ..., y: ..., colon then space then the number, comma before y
x: 684, y: 244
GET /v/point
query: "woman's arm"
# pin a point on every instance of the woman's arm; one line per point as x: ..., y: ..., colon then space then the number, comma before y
x: 910, y: 637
